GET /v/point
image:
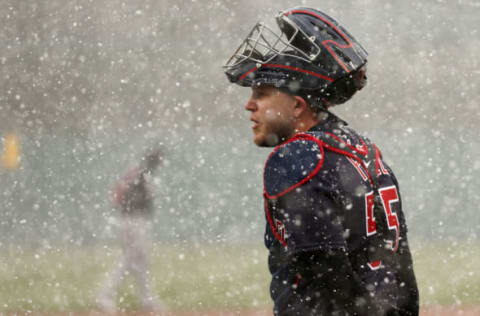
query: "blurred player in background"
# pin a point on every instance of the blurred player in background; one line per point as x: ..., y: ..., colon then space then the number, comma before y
x: 134, y: 199
x: 335, y: 231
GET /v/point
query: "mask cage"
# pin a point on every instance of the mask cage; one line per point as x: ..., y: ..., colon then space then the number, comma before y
x: 263, y: 44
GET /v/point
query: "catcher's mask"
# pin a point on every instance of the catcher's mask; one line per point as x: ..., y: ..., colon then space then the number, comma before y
x: 312, y: 56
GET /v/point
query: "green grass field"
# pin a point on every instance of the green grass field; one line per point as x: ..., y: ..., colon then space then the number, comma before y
x: 185, y: 277
x: 448, y: 274
x: 206, y: 276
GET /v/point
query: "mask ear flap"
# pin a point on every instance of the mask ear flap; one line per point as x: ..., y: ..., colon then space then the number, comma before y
x: 344, y: 88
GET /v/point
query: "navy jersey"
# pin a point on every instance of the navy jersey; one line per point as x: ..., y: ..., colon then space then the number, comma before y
x: 335, y: 232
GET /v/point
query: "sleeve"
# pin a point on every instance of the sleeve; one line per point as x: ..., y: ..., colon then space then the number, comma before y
x: 300, y: 204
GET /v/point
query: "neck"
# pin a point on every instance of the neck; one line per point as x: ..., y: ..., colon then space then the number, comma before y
x: 305, y: 123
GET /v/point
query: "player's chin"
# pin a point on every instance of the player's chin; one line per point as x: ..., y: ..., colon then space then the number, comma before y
x: 259, y: 139
x: 268, y: 140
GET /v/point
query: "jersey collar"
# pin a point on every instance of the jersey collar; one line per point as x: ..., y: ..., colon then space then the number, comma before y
x: 330, y: 121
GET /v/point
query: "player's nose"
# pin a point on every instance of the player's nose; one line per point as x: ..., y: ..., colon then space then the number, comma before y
x: 251, y: 105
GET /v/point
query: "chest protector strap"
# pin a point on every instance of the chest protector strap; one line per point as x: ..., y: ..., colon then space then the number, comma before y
x: 369, y: 157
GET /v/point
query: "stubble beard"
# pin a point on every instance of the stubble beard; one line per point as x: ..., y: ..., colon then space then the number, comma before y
x: 276, y: 134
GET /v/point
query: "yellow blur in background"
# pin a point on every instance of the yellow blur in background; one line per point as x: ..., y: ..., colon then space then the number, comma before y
x: 11, y: 152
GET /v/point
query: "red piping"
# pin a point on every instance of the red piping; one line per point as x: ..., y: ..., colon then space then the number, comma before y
x: 299, y: 278
x: 380, y: 168
x: 326, y: 42
x: 324, y: 20
x: 374, y: 265
x: 247, y: 73
x: 310, y: 176
x: 363, y: 151
x: 357, y: 166
x: 272, y: 226
x: 346, y: 153
x: 304, y: 180
x: 308, y: 72
x: 377, y: 161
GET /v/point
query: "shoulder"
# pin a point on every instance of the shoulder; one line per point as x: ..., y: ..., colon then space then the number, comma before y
x: 291, y: 164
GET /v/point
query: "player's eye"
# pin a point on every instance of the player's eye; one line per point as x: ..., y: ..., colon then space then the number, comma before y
x: 258, y: 94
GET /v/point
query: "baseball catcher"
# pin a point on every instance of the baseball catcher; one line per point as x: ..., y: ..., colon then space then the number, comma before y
x: 335, y: 227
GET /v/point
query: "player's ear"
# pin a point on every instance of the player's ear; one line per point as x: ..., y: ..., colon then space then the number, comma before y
x: 300, y: 106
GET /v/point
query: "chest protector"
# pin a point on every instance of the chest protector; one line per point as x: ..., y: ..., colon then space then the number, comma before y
x: 343, y: 141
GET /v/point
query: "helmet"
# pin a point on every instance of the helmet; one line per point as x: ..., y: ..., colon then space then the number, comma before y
x: 313, y: 56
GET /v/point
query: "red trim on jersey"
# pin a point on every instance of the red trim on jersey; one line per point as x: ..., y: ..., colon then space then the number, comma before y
x: 359, y: 168
x: 346, y: 153
x: 371, y: 224
x: 322, y: 144
x: 307, y: 178
x: 374, y: 265
x: 377, y: 161
x: 326, y: 42
x: 380, y: 168
x: 363, y: 150
x: 390, y: 195
x: 280, y: 228
x: 299, y: 278
x: 320, y: 164
x: 272, y: 226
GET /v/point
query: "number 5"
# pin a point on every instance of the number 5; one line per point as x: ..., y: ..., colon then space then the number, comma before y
x: 388, y: 195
